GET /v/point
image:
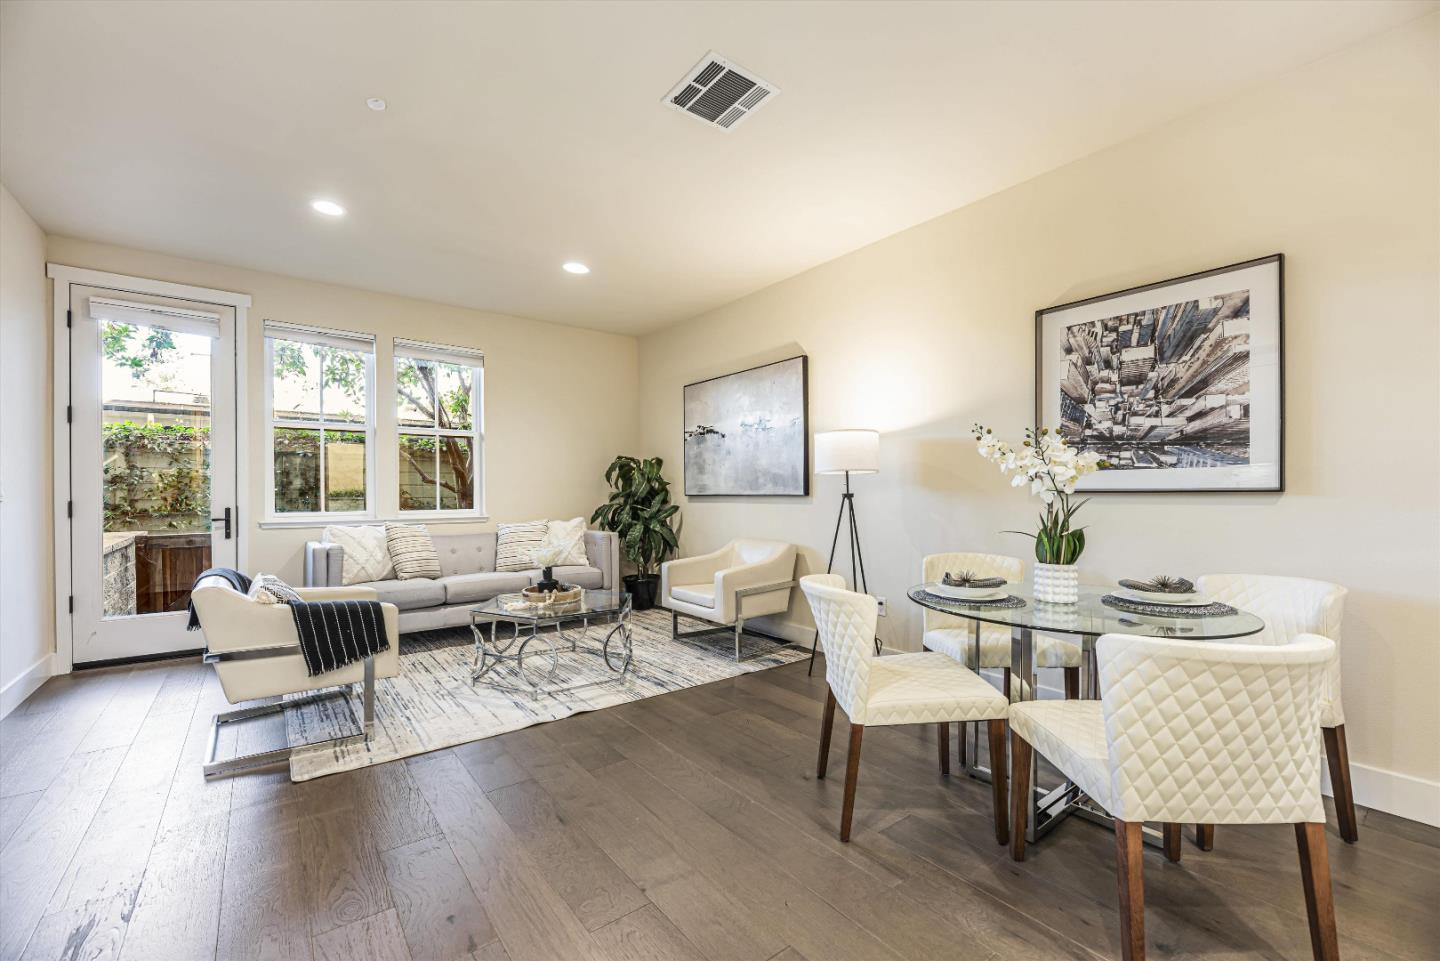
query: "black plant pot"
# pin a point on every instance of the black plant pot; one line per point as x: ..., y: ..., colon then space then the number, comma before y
x: 642, y: 588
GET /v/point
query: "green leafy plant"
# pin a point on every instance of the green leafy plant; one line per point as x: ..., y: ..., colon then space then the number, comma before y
x: 639, y: 512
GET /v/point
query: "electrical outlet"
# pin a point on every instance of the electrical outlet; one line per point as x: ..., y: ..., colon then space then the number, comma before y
x: 881, y: 602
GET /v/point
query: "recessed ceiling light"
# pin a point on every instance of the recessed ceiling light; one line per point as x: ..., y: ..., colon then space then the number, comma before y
x: 575, y: 267
x: 376, y: 103
x: 328, y: 207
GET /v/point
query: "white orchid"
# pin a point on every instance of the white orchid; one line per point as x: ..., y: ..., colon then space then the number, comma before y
x: 1051, y: 469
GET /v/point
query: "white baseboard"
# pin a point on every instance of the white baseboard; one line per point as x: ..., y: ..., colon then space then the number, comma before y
x: 1412, y: 798
x: 784, y: 630
x: 12, y: 695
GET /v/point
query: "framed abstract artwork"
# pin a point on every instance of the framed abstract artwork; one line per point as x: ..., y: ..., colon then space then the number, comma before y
x: 1177, y: 385
x: 747, y: 433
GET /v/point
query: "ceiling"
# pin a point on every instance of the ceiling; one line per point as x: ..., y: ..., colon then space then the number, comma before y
x: 522, y: 135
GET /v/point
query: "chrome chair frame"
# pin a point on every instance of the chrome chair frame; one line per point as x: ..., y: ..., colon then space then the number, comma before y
x: 739, y: 627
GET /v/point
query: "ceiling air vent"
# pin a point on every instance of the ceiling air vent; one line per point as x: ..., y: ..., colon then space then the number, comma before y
x: 720, y: 93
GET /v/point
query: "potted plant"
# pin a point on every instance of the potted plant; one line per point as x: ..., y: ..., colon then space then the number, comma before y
x: 1051, y: 468
x: 639, y: 512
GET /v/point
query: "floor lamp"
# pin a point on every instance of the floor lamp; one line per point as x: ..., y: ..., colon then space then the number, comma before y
x: 847, y: 452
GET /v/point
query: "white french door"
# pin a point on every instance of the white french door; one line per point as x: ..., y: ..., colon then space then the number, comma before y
x: 152, y: 423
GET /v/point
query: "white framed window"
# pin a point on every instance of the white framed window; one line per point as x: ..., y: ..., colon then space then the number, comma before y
x: 439, y: 408
x: 320, y: 423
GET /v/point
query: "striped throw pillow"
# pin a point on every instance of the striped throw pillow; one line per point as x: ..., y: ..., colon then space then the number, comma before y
x: 412, y: 551
x: 516, y: 544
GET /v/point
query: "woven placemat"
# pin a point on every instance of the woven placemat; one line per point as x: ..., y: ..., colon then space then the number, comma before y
x: 1009, y: 600
x: 1214, y: 609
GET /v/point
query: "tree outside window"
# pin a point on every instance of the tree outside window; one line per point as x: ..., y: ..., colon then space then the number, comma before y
x: 438, y: 433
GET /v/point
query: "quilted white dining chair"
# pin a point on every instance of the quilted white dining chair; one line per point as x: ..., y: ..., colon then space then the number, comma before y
x: 1291, y: 606
x: 955, y: 636
x: 1191, y: 732
x: 919, y: 688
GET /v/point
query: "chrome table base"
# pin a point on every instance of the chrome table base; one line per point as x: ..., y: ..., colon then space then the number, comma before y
x: 616, y: 650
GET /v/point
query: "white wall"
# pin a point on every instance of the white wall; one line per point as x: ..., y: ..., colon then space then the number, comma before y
x: 27, y: 632
x: 560, y: 401
x: 1337, y: 166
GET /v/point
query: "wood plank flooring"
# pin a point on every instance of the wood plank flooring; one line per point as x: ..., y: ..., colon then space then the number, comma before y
x: 685, y: 827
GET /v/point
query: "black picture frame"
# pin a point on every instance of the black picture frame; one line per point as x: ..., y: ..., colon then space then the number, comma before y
x: 804, y: 439
x: 1095, y: 483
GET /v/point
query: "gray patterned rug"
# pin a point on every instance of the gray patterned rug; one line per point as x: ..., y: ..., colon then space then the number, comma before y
x: 431, y: 704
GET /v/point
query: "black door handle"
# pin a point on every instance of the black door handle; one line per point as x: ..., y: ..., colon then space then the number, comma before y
x: 226, y: 519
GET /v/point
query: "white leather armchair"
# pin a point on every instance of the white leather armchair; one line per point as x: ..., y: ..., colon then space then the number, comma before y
x: 1190, y: 732
x: 256, y: 654
x: 1291, y: 606
x: 744, y: 579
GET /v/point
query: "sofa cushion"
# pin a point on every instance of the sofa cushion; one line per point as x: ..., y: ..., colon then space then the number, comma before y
x: 465, y: 553
x: 366, y: 553
x: 587, y: 577
x: 701, y: 594
x: 516, y: 544
x: 409, y: 594
x: 481, y: 586
x: 412, y: 550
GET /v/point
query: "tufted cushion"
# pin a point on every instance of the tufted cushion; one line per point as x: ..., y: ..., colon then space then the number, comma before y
x: 925, y: 688
x: 702, y: 594
x: 365, y: 553
x: 995, y: 647
x: 465, y: 553
x: 1289, y: 606
x: 1070, y: 735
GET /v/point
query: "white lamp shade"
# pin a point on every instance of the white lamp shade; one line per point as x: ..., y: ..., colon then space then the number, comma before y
x: 856, y: 451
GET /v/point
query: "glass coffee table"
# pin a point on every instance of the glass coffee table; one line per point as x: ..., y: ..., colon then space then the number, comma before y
x: 572, y: 623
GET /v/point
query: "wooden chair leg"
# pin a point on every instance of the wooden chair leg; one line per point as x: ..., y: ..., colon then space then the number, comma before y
x: 1319, y: 904
x: 1072, y: 683
x: 1129, y: 858
x: 1205, y: 837
x: 852, y: 774
x: 826, y: 724
x: 1339, y: 756
x: 942, y: 730
x: 1172, y: 841
x: 998, y: 777
x: 1020, y: 754
x: 963, y: 751
x: 1007, y: 683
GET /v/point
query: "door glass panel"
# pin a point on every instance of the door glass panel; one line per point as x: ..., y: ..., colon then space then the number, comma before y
x: 155, y: 428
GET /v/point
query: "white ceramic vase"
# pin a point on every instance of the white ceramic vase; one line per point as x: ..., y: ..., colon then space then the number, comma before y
x: 1057, y: 583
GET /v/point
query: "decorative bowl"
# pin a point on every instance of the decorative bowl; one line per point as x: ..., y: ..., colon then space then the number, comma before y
x: 967, y: 593
x: 567, y: 594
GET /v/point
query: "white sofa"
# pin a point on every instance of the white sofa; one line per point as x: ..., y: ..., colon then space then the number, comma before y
x: 467, y: 577
x: 256, y: 654
x: 744, y: 579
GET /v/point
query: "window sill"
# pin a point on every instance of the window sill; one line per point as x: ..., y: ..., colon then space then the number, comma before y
x: 281, y: 523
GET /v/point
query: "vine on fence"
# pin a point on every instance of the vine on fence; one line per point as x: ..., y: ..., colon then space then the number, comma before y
x: 156, y: 476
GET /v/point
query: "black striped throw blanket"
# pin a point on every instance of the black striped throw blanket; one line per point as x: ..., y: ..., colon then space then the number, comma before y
x: 335, y: 633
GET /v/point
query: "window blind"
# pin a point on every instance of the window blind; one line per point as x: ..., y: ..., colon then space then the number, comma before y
x: 418, y: 350
x: 343, y: 339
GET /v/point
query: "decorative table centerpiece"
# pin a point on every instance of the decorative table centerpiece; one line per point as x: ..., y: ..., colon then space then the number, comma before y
x: 1051, y: 468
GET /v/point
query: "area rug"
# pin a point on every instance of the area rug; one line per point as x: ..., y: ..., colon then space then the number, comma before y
x: 431, y: 704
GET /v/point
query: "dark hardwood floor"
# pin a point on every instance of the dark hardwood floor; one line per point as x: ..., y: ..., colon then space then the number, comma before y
x: 687, y: 827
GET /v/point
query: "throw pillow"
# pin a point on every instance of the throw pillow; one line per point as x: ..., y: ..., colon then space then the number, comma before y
x: 412, y: 551
x: 269, y: 589
x: 367, y: 553
x: 568, y: 538
x: 515, y: 545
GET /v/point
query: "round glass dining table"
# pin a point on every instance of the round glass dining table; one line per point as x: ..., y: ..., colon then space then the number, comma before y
x: 1080, y: 624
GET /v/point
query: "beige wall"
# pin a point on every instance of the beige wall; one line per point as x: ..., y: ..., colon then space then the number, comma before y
x: 1336, y: 166
x: 560, y: 401
x: 27, y: 620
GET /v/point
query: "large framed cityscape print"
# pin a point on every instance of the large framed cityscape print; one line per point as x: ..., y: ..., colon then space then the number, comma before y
x: 1178, y: 385
x: 747, y: 434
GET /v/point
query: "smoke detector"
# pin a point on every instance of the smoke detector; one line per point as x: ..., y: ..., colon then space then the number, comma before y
x: 720, y: 93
